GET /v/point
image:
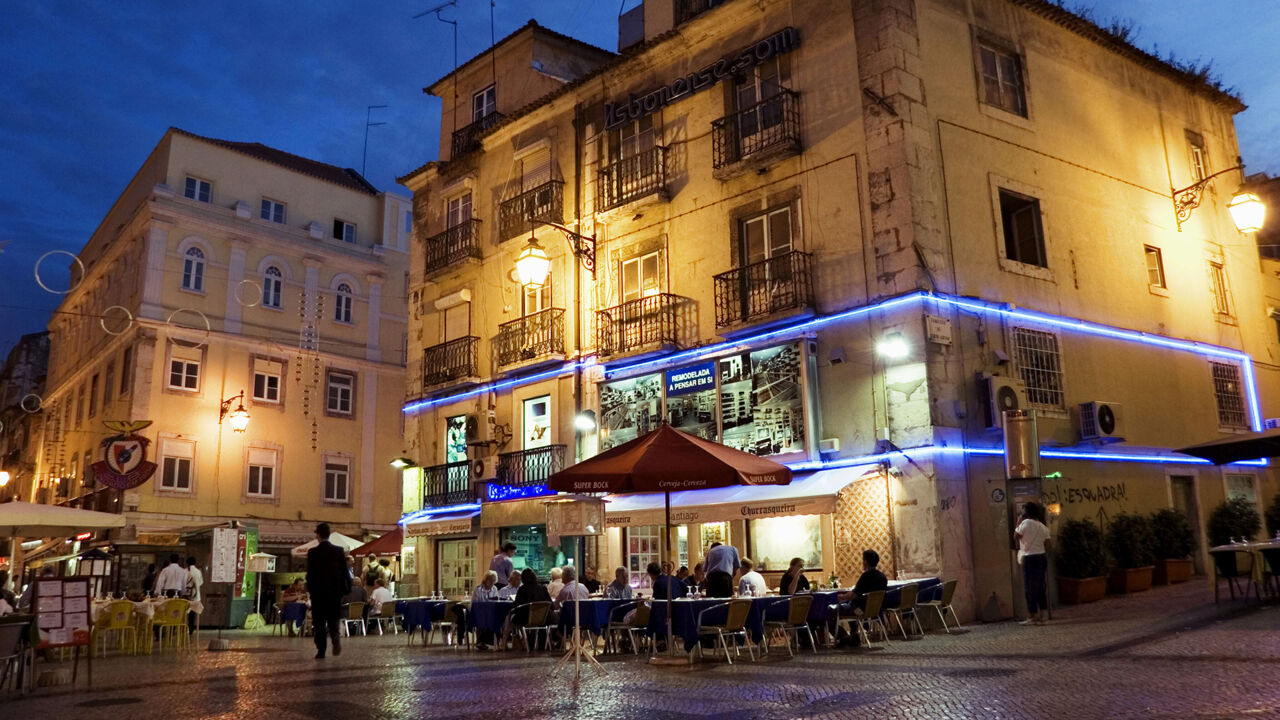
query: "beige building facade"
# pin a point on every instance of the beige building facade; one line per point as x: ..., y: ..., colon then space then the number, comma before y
x: 843, y: 237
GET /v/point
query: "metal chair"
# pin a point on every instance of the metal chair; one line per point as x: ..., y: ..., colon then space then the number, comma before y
x: 1233, y: 565
x: 797, y: 621
x: 735, y: 625
x: 114, y: 619
x: 906, y: 609
x: 355, y: 614
x: 618, y: 625
x: 387, y: 614
x: 454, y: 621
x: 171, y: 621
x: 942, y: 605
x: 538, y: 620
x: 16, y: 653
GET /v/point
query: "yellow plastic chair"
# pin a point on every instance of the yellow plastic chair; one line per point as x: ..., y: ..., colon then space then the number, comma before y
x: 538, y: 620
x: 943, y: 605
x: 116, y: 619
x: 797, y: 622
x: 906, y: 609
x: 171, y: 621
x: 735, y: 625
x: 355, y: 614
x: 388, y: 615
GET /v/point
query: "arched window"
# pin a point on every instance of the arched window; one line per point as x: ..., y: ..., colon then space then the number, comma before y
x: 272, y: 282
x: 342, y: 305
x: 193, y: 270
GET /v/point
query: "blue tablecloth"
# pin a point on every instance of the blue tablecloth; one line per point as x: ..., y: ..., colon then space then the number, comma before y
x: 684, y: 618
x: 418, y: 613
x: 489, y: 615
x: 930, y: 589
x: 595, y: 614
x: 294, y: 612
x: 820, y: 611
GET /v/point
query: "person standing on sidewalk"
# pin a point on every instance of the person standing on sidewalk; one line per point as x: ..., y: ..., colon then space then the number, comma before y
x: 327, y: 583
x: 722, y: 564
x: 1033, y: 543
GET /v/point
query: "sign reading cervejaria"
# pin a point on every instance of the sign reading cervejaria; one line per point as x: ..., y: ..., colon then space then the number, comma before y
x: 636, y: 107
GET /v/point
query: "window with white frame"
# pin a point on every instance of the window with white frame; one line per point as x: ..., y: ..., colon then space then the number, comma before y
x: 1155, y: 266
x: 342, y: 303
x: 177, y: 464
x: 193, y: 270
x: 337, y: 479
x: 1002, y: 81
x: 1040, y: 366
x: 765, y: 236
x: 457, y: 210
x: 340, y: 389
x: 1228, y: 392
x: 536, y: 298
x: 344, y: 231
x: 1218, y: 288
x: 484, y: 103
x: 272, y: 287
x: 261, y: 477
x: 184, y: 368
x: 197, y: 189
x: 266, y: 380
x: 272, y: 210
x: 641, y: 276
x: 1196, y: 156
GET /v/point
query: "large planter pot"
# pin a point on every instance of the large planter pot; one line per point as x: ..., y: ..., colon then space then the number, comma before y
x: 1130, y: 580
x: 1073, y: 591
x: 1169, y: 572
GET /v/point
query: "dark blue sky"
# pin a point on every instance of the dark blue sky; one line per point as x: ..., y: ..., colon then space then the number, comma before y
x: 90, y: 87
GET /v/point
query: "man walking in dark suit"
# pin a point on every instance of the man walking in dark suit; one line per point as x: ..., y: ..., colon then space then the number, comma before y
x: 327, y: 582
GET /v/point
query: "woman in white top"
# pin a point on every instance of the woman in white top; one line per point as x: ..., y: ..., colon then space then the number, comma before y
x: 1033, y: 542
x: 557, y: 583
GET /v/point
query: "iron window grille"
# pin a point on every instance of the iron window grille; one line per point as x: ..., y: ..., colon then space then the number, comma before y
x: 1227, y: 392
x: 1039, y: 366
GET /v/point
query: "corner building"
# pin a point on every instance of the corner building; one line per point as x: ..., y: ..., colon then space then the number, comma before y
x: 747, y: 203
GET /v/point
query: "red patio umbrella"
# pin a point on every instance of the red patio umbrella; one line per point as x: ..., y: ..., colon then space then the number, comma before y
x: 666, y: 460
x: 389, y: 544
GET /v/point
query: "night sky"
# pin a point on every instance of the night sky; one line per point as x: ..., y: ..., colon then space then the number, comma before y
x: 90, y: 87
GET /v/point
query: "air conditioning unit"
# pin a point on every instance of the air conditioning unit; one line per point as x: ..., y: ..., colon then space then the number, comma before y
x: 1001, y: 393
x: 1101, y: 421
x: 1271, y: 424
x: 484, y: 469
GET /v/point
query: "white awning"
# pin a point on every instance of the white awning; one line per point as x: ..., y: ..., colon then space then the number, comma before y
x: 813, y: 494
x: 444, y: 524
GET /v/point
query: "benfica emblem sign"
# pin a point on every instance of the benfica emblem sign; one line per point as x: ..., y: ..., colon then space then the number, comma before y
x: 124, y: 464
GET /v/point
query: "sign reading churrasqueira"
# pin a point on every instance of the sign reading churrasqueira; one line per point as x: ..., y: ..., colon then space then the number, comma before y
x: 637, y: 106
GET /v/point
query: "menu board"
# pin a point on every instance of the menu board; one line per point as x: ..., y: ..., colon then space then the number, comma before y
x: 223, y: 563
x: 62, y: 611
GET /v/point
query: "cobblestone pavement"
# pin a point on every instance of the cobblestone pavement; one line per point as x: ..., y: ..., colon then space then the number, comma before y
x: 1165, y: 653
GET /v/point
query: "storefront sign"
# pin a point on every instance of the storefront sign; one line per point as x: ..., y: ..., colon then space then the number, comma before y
x: 159, y: 539
x: 438, y: 527
x: 636, y: 107
x: 693, y: 515
x: 494, y: 492
x: 691, y: 379
x: 124, y: 464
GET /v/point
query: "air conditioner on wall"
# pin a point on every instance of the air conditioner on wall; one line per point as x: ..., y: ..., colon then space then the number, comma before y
x: 1001, y: 393
x: 484, y: 469
x: 1101, y: 421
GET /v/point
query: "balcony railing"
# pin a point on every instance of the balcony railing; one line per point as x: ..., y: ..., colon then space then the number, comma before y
x: 530, y: 337
x: 467, y: 138
x: 632, y: 178
x: 763, y: 288
x: 453, y: 245
x: 687, y: 10
x: 772, y: 124
x: 450, y: 361
x: 449, y: 484
x: 640, y: 324
x: 527, y: 468
x: 544, y: 203
x: 102, y: 500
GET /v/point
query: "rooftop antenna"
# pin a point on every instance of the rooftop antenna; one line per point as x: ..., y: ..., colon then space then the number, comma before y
x: 436, y: 10
x: 368, y: 113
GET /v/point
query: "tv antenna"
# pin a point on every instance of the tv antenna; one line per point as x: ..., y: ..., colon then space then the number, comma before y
x: 436, y: 11
x: 368, y: 115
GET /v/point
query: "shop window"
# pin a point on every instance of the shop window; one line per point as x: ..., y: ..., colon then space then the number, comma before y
x: 456, y: 567
x: 533, y: 551
x: 1241, y: 487
x: 644, y: 545
x: 773, y: 542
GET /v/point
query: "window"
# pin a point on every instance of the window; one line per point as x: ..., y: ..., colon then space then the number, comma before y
x: 1241, y: 486
x: 772, y: 542
x: 631, y: 138
x: 640, y: 277
x: 644, y: 545
x: 408, y: 221
x: 765, y: 236
x: 484, y: 103
x: 266, y: 380
x: 197, y: 189
x: 536, y: 299
x: 262, y: 473
x: 272, y: 210
x: 1002, y: 84
x: 184, y: 368
x: 1155, y: 267
x: 272, y: 283
x: 1218, y: 287
x: 1228, y: 393
x: 108, y: 383
x: 537, y: 422
x: 344, y: 231
x: 93, y: 395
x: 458, y: 210
x: 337, y: 480
x: 1199, y: 161
x: 340, y: 393
x: 1023, y: 233
x: 1040, y: 366
x: 750, y: 91
x: 80, y: 407
x: 126, y: 368
x: 193, y: 270
x: 342, y: 304
x: 176, y: 464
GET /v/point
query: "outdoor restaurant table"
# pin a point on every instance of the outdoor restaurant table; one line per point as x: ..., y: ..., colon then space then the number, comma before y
x: 1263, y: 554
x: 595, y: 614
x: 684, y: 617
x: 294, y: 612
x: 419, y: 612
x: 145, y: 608
x: 489, y: 615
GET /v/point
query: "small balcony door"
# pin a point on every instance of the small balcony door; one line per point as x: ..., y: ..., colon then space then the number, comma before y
x: 640, y: 279
x: 751, y: 89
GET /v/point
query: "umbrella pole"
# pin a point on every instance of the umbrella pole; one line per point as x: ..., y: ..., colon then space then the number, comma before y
x: 670, y: 605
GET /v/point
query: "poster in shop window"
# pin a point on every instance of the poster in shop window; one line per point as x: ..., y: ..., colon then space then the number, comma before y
x: 629, y: 408
x: 762, y: 400
x: 691, y: 399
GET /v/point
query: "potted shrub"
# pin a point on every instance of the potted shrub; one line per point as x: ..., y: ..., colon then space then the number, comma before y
x: 1131, y: 544
x: 1081, y: 563
x: 1273, y: 516
x: 1234, y: 518
x: 1174, y: 541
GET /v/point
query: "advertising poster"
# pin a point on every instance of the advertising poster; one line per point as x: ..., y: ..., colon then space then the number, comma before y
x: 629, y: 408
x: 691, y: 399
x: 777, y: 415
x: 736, y: 400
x: 455, y: 432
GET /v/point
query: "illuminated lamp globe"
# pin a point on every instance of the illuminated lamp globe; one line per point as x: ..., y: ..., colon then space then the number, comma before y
x: 4, y: 478
x: 533, y: 265
x: 585, y: 421
x: 1248, y: 211
x: 238, y: 418
x: 401, y: 463
x: 893, y: 346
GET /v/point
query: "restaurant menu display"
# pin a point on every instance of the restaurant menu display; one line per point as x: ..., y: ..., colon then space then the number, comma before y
x: 62, y: 611
x: 223, y: 562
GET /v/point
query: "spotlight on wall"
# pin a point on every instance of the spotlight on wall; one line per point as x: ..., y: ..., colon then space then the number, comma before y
x: 893, y: 346
x: 585, y: 421
x: 401, y: 463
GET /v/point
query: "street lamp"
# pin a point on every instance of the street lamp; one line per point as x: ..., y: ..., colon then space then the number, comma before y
x: 893, y: 346
x: 1247, y: 209
x: 238, y: 419
x: 533, y: 265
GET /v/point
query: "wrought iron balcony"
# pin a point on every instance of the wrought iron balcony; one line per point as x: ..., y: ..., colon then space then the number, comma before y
x: 641, y: 325
x: 756, y: 291
x: 449, y: 484
x: 769, y: 128
x: 451, y: 361
x: 467, y: 138
x: 453, y: 245
x: 531, y: 337
x: 103, y: 499
x: 527, y: 468
x: 543, y: 203
x: 687, y: 10
x: 633, y: 178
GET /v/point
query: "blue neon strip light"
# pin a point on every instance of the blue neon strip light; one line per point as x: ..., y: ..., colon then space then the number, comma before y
x: 433, y: 511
